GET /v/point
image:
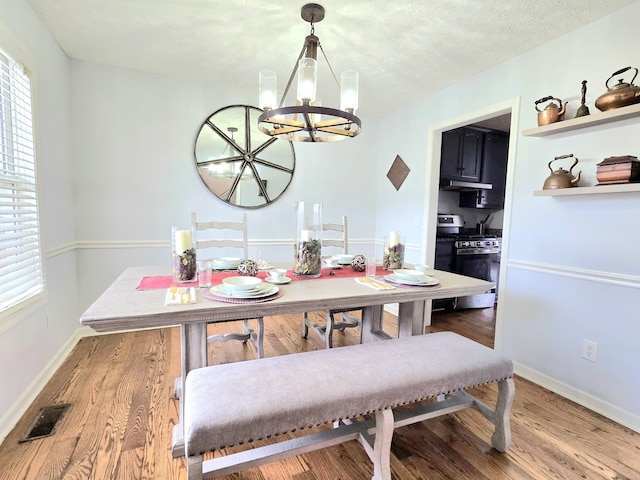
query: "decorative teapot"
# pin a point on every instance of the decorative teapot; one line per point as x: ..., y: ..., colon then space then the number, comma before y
x: 561, y: 178
x: 620, y: 95
x: 552, y: 113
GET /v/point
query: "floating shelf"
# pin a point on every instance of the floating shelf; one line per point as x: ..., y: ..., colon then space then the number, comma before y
x: 598, y: 189
x: 598, y: 118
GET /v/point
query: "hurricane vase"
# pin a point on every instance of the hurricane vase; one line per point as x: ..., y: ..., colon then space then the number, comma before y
x: 307, y: 248
x: 393, y: 255
x: 183, y: 254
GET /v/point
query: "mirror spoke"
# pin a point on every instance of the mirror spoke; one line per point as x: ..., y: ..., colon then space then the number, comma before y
x: 238, y: 163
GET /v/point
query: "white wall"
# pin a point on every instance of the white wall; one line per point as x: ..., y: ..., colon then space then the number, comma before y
x: 571, y: 272
x: 116, y: 172
x: 135, y: 174
x: 32, y: 342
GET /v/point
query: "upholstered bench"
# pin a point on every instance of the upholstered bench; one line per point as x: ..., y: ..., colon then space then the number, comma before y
x: 237, y: 403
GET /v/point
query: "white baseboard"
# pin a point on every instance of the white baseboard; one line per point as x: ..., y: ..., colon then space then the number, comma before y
x: 11, y: 417
x: 581, y: 398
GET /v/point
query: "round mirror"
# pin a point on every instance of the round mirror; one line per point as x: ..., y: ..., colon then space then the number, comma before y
x: 238, y: 163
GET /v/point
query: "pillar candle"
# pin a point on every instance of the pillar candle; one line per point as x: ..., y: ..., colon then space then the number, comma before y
x: 393, y: 239
x: 183, y: 241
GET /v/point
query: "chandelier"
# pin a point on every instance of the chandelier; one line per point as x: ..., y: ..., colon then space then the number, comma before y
x: 308, y: 121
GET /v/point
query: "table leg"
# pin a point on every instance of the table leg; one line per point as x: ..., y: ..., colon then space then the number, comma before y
x: 411, y: 319
x: 371, y: 328
x: 193, y: 354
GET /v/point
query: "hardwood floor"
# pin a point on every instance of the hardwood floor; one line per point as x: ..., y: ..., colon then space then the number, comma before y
x: 119, y: 424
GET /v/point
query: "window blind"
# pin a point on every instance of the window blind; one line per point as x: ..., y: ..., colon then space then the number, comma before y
x: 21, y: 274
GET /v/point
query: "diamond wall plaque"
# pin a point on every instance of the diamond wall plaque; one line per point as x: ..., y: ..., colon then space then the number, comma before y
x: 398, y: 172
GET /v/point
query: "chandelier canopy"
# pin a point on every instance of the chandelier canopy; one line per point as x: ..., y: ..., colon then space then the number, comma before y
x: 308, y: 121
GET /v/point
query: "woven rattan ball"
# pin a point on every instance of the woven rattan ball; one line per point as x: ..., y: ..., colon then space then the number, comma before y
x: 248, y: 268
x: 359, y: 263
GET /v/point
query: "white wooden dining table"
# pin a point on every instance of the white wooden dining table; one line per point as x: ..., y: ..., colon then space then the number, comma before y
x: 123, y: 307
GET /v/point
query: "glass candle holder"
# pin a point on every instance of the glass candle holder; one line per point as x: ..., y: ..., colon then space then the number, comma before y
x: 307, y: 247
x: 393, y: 255
x: 183, y: 254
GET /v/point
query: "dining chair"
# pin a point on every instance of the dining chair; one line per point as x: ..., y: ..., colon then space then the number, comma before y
x: 346, y: 319
x: 210, y: 235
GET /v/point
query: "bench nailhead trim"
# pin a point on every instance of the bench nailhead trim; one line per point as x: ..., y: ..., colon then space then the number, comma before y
x: 399, y: 404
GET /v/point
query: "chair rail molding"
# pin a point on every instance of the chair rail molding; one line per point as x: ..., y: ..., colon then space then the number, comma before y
x: 621, y: 279
x: 274, y: 242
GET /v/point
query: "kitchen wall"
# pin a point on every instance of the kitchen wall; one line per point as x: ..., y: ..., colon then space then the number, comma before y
x: 116, y: 172
x: 568, y: 272
x: 448, y: 202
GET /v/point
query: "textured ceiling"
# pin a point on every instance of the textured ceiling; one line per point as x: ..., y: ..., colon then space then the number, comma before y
x: 403, y: 49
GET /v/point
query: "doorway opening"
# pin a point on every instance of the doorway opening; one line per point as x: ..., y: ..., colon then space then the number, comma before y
x: 503, y: 118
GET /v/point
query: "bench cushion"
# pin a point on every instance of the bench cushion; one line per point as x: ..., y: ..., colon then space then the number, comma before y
x: 240, y: 402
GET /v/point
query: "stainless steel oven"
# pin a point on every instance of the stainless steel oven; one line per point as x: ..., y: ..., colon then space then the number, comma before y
x: 477, y: 257
x: 468, y: 254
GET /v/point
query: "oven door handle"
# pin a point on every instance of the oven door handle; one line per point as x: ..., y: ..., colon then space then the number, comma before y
x: 476, y: 251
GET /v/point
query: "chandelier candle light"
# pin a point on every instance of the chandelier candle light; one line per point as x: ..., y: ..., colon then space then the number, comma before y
x: 308, y: 121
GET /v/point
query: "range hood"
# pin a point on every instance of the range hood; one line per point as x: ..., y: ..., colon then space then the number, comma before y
x: 461, y: 186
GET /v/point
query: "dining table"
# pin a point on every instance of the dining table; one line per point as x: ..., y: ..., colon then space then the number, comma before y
x: 131, y: 304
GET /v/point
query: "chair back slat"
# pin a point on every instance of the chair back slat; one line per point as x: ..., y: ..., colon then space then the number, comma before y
x: 211, y: 234
x: 343, y: 241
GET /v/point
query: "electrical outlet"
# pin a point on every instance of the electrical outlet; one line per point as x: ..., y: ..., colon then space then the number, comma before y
x: 590, y: 350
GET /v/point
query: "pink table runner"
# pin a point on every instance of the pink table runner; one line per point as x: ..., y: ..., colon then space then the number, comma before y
x: 159, y: 282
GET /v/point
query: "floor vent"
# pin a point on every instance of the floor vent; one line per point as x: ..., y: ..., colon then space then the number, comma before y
x: 46, y: 422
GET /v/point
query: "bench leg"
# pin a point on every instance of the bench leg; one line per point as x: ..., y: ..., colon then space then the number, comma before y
x: 382, y: 445
x: 194, y: 468
x: 501, y: 438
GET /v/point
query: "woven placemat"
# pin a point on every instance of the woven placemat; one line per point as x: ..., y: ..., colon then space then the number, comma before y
x: 207, y: 294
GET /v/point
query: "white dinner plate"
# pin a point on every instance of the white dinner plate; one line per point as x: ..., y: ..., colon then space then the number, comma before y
x: 409, y: 274
x: 225, y: 263
x: 242, y: 283
x: 232, y: 291
x: 266, y: 291
x: 343, y: 259
x: 331, y: 265
x: 426, y: 282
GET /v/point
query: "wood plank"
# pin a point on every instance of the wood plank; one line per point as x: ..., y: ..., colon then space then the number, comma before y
x: 105, y: 435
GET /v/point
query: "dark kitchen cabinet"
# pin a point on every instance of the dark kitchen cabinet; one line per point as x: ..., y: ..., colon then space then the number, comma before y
x: 461, y: 154
x: 494, y: 171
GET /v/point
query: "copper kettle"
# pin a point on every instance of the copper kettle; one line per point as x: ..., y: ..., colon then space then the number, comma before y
x: 561, y: 178
x: 552, y: 113
x: 621, y: 94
